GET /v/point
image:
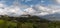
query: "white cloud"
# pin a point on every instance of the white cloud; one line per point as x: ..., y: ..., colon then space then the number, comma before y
x: 17, y: 10
x: 42, y: 1
x: 1, y: 5
x: 26, y: 0
x: 45, y: 10
x: 14, y: 10
x: 55, y: 8
x: 58, y: 1
x: 30, y: 10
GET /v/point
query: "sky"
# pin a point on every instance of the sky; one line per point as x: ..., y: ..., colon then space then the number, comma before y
x: 32, y: 7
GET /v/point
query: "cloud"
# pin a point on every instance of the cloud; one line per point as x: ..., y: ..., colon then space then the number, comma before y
x: 46, y: 10
x: 26, y: 0
x: 55, y: 8
x: 43, y: 10
x: 30, y: 10
x: 2, y: 7
x: 17, y: 10
x: 58, y: 1
x: 42, y: 1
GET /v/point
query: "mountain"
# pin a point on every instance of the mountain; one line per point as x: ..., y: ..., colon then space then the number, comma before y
x: 52, y: 17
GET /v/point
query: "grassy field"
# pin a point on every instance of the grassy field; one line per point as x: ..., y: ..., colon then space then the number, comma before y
x: 29, y: 22
x: 10, y: 24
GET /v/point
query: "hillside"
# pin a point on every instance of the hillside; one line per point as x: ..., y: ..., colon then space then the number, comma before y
x: 23, y: 19
x: 27, y: 22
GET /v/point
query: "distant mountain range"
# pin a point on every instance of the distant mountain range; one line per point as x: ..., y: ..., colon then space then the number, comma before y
x: 52, y: 17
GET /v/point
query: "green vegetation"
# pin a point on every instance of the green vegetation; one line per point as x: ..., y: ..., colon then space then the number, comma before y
x: 27, y: 22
